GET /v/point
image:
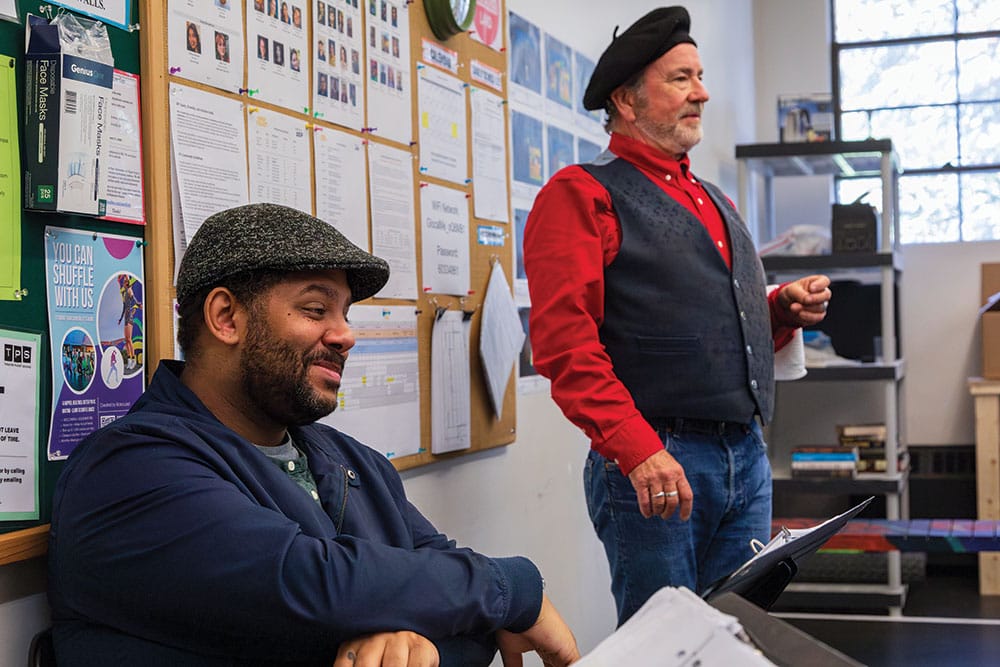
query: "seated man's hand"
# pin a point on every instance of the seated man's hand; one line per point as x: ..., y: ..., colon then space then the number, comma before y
x: 388, y: 649
x: 549, y: 637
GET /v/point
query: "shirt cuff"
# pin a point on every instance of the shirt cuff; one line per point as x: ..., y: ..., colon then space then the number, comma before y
x: 523, y: 582
x: 779, y: 316
x: 631, y: 444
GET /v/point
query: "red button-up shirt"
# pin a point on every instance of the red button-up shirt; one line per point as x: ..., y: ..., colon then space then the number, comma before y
x: 572, y: 234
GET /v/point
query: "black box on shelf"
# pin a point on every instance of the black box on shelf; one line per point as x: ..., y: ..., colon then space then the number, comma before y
x: 854, y: 228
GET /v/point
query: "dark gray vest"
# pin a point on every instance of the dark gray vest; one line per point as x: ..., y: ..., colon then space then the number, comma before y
x: 688, y: 337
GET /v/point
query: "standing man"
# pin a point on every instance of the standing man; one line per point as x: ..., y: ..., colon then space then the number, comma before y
x: 649, y: 315
x: 218, y: 524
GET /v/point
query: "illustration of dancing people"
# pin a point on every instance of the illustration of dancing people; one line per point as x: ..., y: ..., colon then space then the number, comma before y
x: 130, y: 318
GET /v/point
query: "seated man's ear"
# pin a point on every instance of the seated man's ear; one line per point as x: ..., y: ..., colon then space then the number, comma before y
x: 225, y: 317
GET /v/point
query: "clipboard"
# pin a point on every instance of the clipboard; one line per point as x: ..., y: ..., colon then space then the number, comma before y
x: 762, y: 578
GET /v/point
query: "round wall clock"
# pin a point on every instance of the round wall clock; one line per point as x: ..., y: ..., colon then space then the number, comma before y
x: 449, y: 17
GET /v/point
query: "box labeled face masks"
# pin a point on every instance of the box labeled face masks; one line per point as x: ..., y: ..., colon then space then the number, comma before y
x: 68, y: 104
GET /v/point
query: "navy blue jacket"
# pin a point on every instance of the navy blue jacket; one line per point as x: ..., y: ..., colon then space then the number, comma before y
x: 175, y: 541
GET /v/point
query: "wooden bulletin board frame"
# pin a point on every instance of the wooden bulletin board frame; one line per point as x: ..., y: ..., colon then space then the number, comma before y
x: 486, y: 430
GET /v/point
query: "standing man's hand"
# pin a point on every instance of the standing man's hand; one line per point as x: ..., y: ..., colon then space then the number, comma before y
x: 805, y: 299
x: 388, y: 649
x: 549, y: 637
x: 661, y: 487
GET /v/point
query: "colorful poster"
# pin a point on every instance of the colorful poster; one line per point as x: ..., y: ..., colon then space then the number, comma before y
x: 583, y: 69
x: 526, y: 142
x: 20, y: 398
x: 96, y: 304
x: 560, y: 149
x: 525, y: 54
x: 558, y: 81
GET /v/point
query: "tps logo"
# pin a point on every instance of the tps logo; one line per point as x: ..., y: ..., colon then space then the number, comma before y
x: 17, y: 354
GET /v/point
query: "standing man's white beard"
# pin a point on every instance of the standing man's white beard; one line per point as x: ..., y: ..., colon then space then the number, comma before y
x: 675, y: 138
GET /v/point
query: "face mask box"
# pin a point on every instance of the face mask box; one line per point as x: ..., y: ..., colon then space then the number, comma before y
x: 67, y: 115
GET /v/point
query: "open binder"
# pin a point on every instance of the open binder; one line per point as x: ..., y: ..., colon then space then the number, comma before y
x: 762, y: 578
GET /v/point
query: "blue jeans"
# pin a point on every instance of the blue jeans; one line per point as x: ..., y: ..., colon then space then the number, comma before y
x: 731, y: 479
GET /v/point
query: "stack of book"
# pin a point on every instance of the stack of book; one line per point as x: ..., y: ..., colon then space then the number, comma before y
x: 824, y: 461
x: 869, y: 440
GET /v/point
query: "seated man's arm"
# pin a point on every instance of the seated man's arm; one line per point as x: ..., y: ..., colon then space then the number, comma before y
x: 163, y: 542
x: 549, y: 637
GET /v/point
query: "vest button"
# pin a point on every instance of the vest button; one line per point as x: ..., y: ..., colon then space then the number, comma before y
x: 753, y: 384
x: 749, y: 350
x: 743, y: 315
x: 736, y: 283
x: 291, y: 466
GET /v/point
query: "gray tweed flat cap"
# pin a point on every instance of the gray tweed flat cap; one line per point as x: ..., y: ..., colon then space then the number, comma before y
x: 269, y: 237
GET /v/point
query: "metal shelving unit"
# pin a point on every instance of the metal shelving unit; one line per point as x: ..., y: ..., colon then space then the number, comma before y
x: 758, y: 167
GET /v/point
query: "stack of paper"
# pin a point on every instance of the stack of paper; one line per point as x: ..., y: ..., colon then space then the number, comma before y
x: 676, y: 627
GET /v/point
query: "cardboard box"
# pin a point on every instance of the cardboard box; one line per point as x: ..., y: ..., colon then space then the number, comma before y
x: 990, y: 316
x: 67, y: 113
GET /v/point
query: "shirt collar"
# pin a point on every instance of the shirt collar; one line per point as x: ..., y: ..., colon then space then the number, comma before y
x: 648, y: 157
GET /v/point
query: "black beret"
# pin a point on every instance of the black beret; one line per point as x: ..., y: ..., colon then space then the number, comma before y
x: 645, y: 40
x: 269, y: 237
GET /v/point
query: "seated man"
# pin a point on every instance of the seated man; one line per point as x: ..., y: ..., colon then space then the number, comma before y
x: 218, y: 524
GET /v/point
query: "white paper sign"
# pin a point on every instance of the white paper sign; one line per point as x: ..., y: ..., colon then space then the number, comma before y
x: 20, y: 397
x: 444, y: 217
x: 450, y: 383
x: 489, y: 156
x: 393, y: 236
x: 205, y: 41
x: 116, y: 12
x: 122, y: 179
x: 441, y: 107
x: 341, y: 184
x: 379, y: 398
x: 387, y: 26
x: 279, y: 160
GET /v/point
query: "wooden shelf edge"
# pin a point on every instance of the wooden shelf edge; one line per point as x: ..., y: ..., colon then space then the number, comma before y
x: 24, y: 544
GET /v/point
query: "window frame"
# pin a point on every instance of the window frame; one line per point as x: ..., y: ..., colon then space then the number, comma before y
x: 954, y: 37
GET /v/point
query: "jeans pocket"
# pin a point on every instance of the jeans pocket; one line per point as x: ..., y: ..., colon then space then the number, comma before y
x: 756, y: 435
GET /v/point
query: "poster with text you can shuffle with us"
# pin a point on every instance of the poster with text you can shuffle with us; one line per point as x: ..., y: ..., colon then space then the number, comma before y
x: 96, y: 308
